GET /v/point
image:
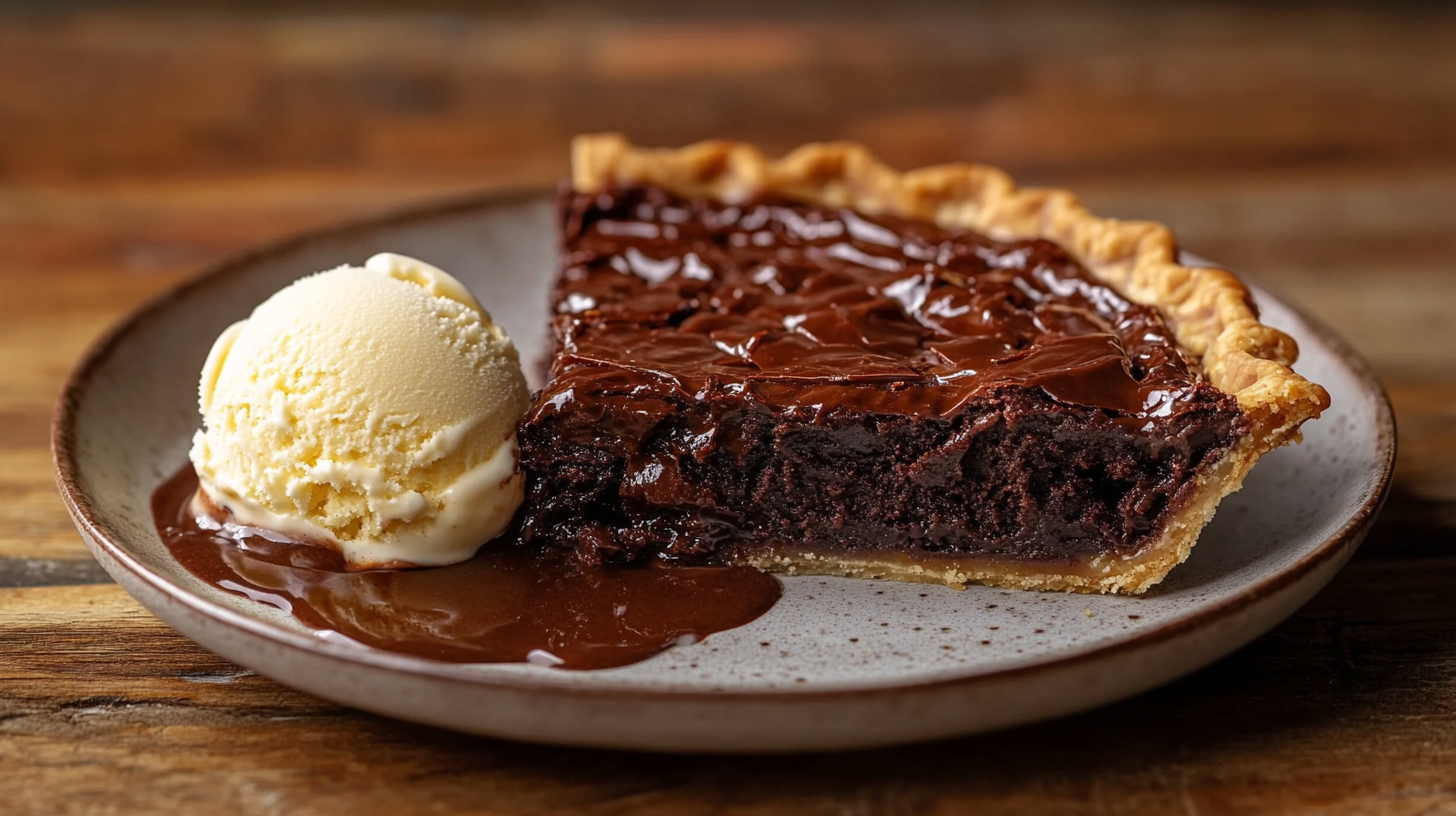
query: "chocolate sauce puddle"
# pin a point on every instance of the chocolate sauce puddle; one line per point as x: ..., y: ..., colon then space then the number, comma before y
x: 505, y: 605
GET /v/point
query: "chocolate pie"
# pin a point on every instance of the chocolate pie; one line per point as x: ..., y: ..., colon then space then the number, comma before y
x: 821, y: 365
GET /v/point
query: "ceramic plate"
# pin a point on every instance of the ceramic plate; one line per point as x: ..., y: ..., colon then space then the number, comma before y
x: 838, y: 663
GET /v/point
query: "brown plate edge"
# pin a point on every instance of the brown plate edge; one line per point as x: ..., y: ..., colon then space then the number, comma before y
x: 1339, y: 545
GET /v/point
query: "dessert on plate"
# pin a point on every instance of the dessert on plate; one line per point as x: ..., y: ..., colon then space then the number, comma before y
x: 819, y: 364
x: 815, y: 364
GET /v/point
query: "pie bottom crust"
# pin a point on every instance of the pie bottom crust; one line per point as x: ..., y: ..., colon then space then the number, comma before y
x: 1211, y: 312
x: 1131, y: 575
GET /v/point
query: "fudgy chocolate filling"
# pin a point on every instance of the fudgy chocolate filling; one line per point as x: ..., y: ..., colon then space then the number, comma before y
x: 769, y: 372
x: 505, y: 605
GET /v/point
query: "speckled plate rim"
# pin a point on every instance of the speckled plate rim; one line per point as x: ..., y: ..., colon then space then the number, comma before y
x: 1330, y: 553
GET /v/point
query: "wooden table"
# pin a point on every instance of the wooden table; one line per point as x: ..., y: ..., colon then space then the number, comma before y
x: 1316, y: 150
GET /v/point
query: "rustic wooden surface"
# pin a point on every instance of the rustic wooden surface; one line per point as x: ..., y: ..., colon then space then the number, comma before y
x: 1314, y: 149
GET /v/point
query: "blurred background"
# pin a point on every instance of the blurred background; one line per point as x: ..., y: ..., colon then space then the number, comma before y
x: 1311, y: 147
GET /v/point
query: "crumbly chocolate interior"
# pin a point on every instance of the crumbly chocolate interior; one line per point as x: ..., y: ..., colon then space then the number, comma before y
x: 734, y: 376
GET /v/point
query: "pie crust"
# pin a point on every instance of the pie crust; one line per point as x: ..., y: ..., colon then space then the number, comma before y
x: 1210, y: 310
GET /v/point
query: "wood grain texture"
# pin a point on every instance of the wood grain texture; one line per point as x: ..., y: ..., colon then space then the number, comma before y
x: 1311, y: 148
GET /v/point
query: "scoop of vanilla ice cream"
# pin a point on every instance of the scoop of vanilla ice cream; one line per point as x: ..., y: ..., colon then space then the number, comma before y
x: 373, y: 409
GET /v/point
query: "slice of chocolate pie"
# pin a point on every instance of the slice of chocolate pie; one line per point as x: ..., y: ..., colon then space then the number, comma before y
x: 820, y: 365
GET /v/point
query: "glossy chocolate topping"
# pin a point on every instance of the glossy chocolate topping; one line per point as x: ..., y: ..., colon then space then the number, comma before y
x: 506, y: 605
x: 795, y: 307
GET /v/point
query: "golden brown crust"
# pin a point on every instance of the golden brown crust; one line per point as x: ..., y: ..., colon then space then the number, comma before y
x: 1210, y: 310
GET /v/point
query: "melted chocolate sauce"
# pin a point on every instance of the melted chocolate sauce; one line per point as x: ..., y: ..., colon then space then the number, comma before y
x: 505, y: 605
